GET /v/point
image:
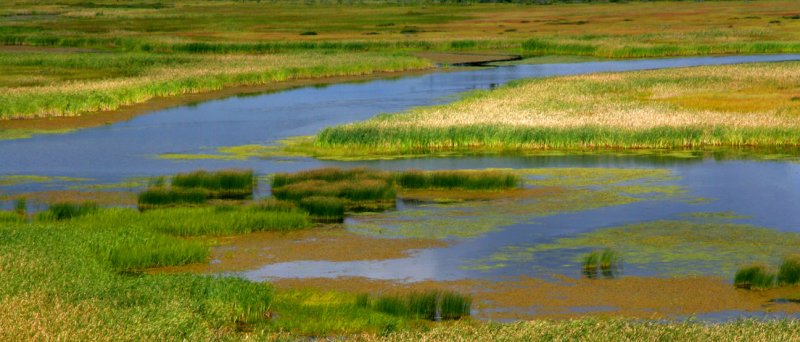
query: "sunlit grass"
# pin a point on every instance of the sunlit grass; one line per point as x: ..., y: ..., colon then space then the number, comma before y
x: 755, y: 277
x: 648, y: 109
x: 228, y: 184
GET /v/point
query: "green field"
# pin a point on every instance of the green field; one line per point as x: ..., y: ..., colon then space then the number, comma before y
x: 99, y: 56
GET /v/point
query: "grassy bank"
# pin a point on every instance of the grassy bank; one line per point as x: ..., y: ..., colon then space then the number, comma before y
x: 78, y: 83
x: 97, y: 56
x: 739, y: 105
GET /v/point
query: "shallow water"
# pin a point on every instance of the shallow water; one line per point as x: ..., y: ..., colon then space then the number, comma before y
x: 127, y: 149
x: 758, y: 193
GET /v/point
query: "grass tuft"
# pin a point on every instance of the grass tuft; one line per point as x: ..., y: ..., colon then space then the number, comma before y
x: 225, y: 184
x: 158, y: 197
x: 789, y: 272
x: 754, y: 277
x: 67, y: 210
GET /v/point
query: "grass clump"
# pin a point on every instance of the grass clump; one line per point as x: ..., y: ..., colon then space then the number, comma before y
x: 607, y: 262
x: 225, y: 184
x: 157, y: 197
x: 67, y: 210
x: 754, y: 277
x: 324, y: 208
x: 468, y: 180
x: 431, y: 305
x: 789, y: 271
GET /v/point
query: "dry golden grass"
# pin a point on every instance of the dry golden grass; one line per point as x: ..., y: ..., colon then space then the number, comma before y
x: 759, y: 95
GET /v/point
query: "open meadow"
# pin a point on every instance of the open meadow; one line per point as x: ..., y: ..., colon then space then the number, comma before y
x: 368, y: 170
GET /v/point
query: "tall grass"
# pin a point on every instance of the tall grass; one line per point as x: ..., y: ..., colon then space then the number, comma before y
x: 67, y: 210
x: 359, y: 190
x: 324, y: 208
x: 470, y: 180
x: 226, y: 184
x: 687, y: 108
x: 607, y: 261
x: 432, y: 305
x: 754, y: 277
x: 329, y: 174
x: 408, y: 140
x: 789, y: 271
x: 165, y: 197
x: 221, y: 220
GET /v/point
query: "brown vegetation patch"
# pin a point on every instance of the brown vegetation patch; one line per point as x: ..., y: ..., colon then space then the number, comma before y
x: 529, y: 298
x: 250, y: 251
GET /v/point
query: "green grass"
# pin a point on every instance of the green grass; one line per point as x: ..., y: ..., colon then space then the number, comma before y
x: 222, y: 220
x: 500, y: 138
x: 789, y: 271
x: 756, y: 277
x: 606, y: 261
x: 468, y: 180
x: 67, y: 210
x: 156, y: 197
x: 692, y: 108
x: 225, y: 184
x: 324, y: 208
x: 430, y: 305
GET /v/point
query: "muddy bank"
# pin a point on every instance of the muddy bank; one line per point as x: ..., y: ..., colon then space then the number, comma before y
x: 251, y: 251
x: 522, y: 298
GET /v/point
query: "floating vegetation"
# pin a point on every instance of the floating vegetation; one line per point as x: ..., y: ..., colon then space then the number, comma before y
x: 9, y: 180
x: 559, y: 190
x: 668, y: 247
x: 67, y: 210
x: 754, y: 277
x: 432, y: 305
x: 606, y: 261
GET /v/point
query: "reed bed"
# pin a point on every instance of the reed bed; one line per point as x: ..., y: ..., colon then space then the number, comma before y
x: 324, y: 208
x: 158, y: 197
x: 789, y: 271
x: 432, y: 305
x: 224, y: 184
x: 607, y: 261
x: 468, y: 180
x: 754, y: 277
x: 67, y: 210
x: 738, y: 105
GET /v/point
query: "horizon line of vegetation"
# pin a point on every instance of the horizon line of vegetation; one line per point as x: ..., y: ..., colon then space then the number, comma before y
x: 526, y: 47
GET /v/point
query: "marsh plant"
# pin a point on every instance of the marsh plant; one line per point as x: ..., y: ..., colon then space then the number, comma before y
x: 789, y: 272
x: 606, y: 263
x: 432, y: 305
x: 157, y: 197
x: 67, y: 210
x: 754, y: 277
x: 324, y: 208
x: 224, y: 184
x: 21, y: 207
